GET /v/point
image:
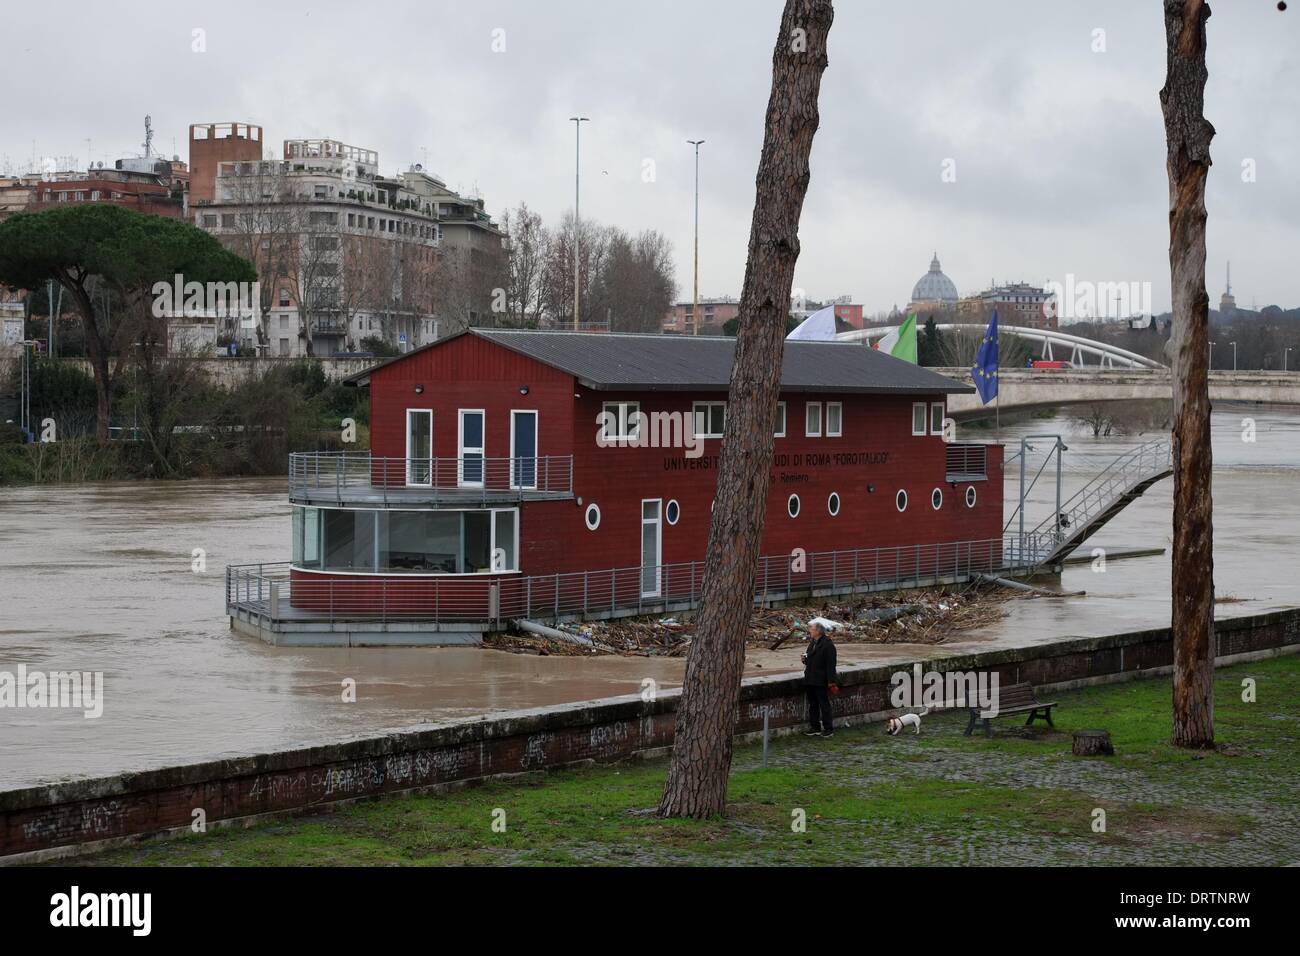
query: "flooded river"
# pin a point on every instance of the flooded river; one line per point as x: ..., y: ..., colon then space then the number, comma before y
x: 100, y: 578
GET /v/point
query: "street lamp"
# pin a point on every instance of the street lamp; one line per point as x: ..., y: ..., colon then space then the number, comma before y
x: 1211, y: 355
x: 696, y: 313
x: 577, y: 122
x: 1284, y: 354
x: 1234, y: 355
x: 25, y: 395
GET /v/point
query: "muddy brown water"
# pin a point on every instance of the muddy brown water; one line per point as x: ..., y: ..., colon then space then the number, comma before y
x: 99, y: 577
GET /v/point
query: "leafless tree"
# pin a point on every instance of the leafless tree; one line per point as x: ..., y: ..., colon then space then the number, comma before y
x: 261, y: 229
x: 313, y: 272
x: 527, y: 253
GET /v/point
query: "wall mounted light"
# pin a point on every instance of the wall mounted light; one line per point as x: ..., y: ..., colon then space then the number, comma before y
x: 523, y: 389
x: 871, y: 489
x: 419, y: 390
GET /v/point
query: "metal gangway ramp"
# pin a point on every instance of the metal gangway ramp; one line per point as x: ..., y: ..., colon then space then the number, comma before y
x: 1106, y: 495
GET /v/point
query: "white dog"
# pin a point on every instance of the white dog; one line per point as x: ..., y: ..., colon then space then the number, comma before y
x: 896, y: 724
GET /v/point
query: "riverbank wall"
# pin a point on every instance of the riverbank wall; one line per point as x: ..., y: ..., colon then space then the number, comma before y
x: 45, y: 822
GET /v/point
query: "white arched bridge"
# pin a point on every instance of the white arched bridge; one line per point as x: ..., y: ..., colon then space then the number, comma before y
x: 1053, y: 345
x: 1115, y: 375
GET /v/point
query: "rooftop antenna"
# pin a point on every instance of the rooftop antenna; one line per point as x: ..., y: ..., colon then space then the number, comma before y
x: 1229, y: 277
x: 148, y: 136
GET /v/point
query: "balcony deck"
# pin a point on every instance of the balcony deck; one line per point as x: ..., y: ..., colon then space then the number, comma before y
x: 358, y: 479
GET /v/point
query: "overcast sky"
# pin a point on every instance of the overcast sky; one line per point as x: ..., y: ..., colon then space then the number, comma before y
x: 1059, y: 150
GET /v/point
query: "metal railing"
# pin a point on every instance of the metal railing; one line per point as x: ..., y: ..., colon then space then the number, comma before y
x: 354, y: 476
x: 967, y: 462
x: 269, y: 592
x: 1141, y: 464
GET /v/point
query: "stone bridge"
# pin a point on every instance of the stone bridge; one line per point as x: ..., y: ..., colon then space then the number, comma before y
x: 1024, y: 389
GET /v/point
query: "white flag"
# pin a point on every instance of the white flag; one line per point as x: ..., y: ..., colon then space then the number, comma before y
x: 819, y: 325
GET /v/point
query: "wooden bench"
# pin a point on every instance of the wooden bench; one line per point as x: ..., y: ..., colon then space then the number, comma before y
x: 1016, y: 699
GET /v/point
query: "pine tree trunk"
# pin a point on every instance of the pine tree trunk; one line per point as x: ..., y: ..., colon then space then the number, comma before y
x: 706, y: 717
x: 1188, y: 136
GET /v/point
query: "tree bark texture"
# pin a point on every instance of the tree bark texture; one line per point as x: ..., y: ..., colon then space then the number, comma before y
x: 706, y: 717
x: 1188, y: 135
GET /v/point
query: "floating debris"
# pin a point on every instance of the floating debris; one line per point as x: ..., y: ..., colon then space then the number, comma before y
x: 929, y: 616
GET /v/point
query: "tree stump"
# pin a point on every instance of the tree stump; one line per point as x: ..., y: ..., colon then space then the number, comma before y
x: 1093, y: 743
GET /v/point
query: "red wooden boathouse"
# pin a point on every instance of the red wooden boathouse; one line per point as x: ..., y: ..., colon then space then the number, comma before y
x: 549, y: 474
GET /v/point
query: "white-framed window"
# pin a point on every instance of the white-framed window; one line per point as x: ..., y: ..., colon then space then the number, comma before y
x: 673, y: 512
x: 936, y: 499
x: 834, y: 419
x: 833, y: 503
x: 364, y: 541
x: 592, y: 516
x: 812, y: 419
x: 419, y: 446
x: 523, y: 448
x: 710, y: 419
x: 780, y: 420
x: 970, y: 496
x: 505, y: 540
x: 918, y: 418
x: 620, y: 422
x: 471, y: 442
x: 900, y: 500
x: 936, y: 418
x: 792, y: 506
x: 652, y: 543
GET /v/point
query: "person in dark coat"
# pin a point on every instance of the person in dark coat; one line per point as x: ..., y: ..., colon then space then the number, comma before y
x: 819, y: 676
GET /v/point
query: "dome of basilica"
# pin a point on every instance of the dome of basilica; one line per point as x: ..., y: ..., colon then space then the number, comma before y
x: 934, y: 286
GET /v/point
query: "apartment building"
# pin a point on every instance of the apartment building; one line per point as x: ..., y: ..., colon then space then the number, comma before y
x: 344, y: 252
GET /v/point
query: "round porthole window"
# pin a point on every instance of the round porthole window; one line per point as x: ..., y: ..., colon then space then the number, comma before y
x: 673, y: 511
x: 793, y: 506
x: 833, y: 504
x: 900, y: 500
x: 936, y: 499
x: 593, y: 517
x: 970, y: 496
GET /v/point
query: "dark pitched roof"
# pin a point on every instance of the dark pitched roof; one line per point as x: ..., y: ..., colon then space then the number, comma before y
x: 650, y: 362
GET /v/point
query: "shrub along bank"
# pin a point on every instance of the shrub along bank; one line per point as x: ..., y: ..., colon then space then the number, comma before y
x: 170, y: 421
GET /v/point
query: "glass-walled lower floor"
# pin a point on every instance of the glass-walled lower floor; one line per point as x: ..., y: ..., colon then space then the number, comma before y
x: 428, y: 542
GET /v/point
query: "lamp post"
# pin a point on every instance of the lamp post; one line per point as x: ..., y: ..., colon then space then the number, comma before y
x: 1284, y: 354
x: 577, y: 122
x: 696, y: 307
x: 1234, y: 355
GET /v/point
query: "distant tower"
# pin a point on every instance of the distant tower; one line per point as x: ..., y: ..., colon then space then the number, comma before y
x: 214, y: 143
x: 148, y: 136
x: 1227, y: 304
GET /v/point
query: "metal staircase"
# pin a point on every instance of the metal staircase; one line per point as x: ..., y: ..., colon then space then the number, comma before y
x: 1106, y: 495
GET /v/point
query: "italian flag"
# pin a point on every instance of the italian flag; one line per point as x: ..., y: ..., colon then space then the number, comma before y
x: 901, y: 343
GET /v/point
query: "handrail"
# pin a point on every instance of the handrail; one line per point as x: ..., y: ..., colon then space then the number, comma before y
x: 269, y: 592
x: 340, y: 474
x: 1100, y: 492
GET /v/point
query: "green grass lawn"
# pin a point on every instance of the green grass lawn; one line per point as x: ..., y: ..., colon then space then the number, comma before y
x: 940, y: 798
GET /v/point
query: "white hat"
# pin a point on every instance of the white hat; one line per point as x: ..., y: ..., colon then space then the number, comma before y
x: 826, y: 624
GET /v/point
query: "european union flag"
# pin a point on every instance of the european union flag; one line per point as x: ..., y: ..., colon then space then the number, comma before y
x: 985, y: 372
